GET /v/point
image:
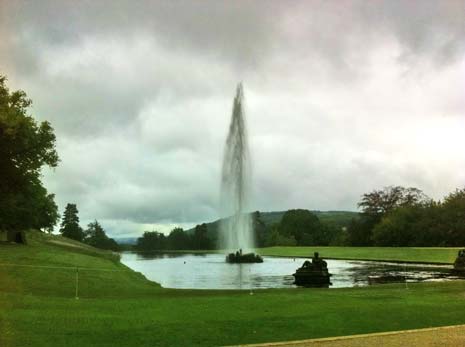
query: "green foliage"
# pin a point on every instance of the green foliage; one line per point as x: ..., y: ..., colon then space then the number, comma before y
x: 417, y: 223
x: 340, y: 238
x: 281, y: 240
x: 305, y: 227
x: 70, y: 223
x: 301, y: 227
x: 263, y: 222
x: 95, y: 236
x: 178, y: 239
x: 200, y: 238
x: 25, y: 147
x: 453, y: 218
x: 375, y: 206
x: 360, y: 230
x: 277, y: 239
x: 259, y: 228
x: 383, y: 201
x: 151, y: 241
x: 397, y: 228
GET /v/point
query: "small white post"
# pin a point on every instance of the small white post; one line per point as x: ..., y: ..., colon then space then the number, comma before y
x: 77, y: 284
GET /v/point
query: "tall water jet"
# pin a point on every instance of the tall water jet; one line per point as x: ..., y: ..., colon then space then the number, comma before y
x: 236, y: 232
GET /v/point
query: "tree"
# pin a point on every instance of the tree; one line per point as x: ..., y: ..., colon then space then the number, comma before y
x: 178, y: 239
x: 377, y: 204
x: 360, y: 230
x: 200, y: 238
x: 398, y: 228
x: 453, y: 218
x: 276, y: 239
x: 151, y: 241
x: 25, y: 147
x: 70, y: 224
x: 303, y: 225
x: 95, y: 236
x: 380, y: 202
x: 259, y: 229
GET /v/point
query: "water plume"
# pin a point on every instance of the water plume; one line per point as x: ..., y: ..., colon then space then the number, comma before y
x: 236, y: 230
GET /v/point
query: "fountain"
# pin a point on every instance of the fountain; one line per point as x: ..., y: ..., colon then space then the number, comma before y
x: 236, y: 231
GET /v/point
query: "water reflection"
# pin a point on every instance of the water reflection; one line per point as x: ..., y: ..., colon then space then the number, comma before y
x: 210, y: 271
x: 157, y: 255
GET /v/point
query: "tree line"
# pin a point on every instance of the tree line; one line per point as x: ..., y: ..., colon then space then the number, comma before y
x: 393, y: 216
x: 297, y: 227
x: 398, y: 216
x: 178, y: 239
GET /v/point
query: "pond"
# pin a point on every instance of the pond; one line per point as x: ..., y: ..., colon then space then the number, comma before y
x: 210, y: 271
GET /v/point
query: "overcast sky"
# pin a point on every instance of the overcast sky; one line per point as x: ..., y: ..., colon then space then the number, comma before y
x: 341, y: 98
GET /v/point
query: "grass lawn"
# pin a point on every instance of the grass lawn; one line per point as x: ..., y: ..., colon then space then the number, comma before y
x: 118, y: 307
x: 441, y: 255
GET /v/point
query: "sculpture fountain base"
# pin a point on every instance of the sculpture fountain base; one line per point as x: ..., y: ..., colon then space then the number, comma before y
x: 459, y: 264
x: 241, y: 258
x: 313, y: 274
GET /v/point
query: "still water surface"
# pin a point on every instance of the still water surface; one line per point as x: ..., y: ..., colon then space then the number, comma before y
x: 210, y: 271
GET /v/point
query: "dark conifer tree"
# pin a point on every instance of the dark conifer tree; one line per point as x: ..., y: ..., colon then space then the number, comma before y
x: 70, y: 224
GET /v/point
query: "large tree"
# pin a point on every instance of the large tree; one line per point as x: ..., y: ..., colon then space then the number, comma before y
x: 376, y: 205
x: 303, y: 225
x: 382, y: 201
x: 70, y: 224
x: 26, y: 146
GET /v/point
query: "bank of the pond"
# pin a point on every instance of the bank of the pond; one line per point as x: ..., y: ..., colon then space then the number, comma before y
x: 119, y: 307
x: 421, y: 255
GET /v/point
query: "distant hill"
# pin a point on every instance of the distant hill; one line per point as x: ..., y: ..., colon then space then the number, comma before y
x: 336, y: 218
x: 126, y: 240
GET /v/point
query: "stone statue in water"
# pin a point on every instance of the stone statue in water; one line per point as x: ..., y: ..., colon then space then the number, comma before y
x: 459, y: 264
x: 313, y: 274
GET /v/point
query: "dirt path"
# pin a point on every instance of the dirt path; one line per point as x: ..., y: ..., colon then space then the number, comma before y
x: 453, y: 336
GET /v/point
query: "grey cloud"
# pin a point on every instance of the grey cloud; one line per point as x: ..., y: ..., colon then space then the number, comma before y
x: 140, y: 95
x: 224, y: 29
x: 435, y: 28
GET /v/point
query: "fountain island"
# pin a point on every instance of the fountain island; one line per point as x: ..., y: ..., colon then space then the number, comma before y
x: 236, y: 231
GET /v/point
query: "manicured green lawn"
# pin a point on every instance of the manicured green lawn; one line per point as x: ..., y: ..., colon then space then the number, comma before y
x: 118, y: 307
x: 409, y: 254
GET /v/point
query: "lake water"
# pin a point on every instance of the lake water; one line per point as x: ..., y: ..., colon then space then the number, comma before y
x: 210, y: 271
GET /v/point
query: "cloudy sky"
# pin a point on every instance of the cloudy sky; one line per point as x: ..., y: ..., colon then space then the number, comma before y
x: 342, y: 97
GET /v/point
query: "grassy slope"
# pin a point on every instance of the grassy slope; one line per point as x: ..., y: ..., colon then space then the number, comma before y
x: 408, y: 254
x: 121, y: 308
